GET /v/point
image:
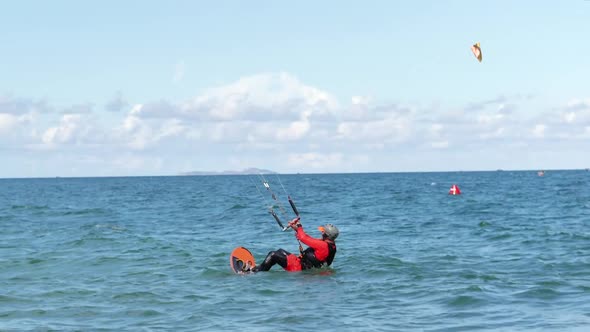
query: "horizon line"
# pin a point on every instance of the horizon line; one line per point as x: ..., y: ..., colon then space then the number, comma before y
x: 279, y: 173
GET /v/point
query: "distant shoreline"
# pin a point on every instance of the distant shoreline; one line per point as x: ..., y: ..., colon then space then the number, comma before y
x: 265, y: 172
x: 247, y: 171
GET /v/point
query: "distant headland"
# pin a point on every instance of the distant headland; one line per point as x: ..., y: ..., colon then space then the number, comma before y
x: 247, y: 171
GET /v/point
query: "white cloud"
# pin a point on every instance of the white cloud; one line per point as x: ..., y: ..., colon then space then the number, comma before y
x: 360, y: 100
x: 136, y: 110
x: 436, y: 131
x: 134, y: 132
x: 129, y: 162
x: 138, y: 133
x: 440, y: 145
x: 295, y: 131
x: 497, y: 133
x: 260, y: 97
x: 539, y: 131
x: 7, y: 121
x: 578, y: 104
x: 256, y: 109
x: 437, y: 128
x: 487, y: 119
x: 13, y: 105
x: 576, y: 112
x: 315, y: 160
x: 276, y: 114
x: 569, y: 117
x: 171, y: 128
x: 65, y: 132
x: 390, y: 129
x: 436, y: 135
x: 131, y: 122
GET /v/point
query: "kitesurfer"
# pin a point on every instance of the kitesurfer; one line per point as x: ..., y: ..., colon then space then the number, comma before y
x: 320, y: 252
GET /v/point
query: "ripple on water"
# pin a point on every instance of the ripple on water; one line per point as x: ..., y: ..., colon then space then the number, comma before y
x: 477, y: 275
x: 84, y: 212
x: 66, y: 292
x: 12, y: 299
x: 141, y: 296
x: 464, y: 301
x: 34, y: 261
x: 237, y: 207
x: 143, y: 313
x: 538, y: 293
x: 30, y: 207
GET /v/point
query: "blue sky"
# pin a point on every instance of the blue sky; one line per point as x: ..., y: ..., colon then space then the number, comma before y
x: 160, y: 88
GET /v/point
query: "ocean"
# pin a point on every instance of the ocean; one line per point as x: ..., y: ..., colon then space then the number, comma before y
x: 511, y: 253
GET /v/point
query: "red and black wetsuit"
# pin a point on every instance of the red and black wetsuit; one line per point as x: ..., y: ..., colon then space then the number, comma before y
x: 320, y: 252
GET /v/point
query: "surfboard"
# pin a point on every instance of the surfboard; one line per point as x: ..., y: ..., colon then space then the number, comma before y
x: 241, y: 260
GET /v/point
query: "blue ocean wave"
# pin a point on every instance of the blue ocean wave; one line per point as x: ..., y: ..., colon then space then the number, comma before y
x: 510, y: 253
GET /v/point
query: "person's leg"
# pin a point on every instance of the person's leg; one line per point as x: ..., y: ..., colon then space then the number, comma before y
x: 273, y: 257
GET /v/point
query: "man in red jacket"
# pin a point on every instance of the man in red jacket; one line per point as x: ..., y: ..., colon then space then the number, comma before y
x: 320, y: 252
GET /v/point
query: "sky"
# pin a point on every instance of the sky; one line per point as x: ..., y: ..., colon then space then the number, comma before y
x: 145, y: 88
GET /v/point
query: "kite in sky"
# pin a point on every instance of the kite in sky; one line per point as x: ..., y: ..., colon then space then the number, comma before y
x: 476, y: 51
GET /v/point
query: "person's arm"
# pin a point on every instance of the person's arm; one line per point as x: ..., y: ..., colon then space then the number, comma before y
x: 316, y: 244
x: 319, y: 246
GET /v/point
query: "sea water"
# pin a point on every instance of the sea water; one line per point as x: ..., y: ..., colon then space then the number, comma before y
x: 512, y: 252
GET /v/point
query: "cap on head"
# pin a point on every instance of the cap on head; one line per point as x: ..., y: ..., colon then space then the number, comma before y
x: 330, y: 231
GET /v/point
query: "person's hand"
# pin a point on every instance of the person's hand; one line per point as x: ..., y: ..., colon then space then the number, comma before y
x: 295, y: 223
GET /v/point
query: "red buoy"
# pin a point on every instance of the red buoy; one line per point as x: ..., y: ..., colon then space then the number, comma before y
x: 454, y: 190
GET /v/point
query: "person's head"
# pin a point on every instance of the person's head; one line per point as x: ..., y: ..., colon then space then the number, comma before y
x: 329, y: 231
